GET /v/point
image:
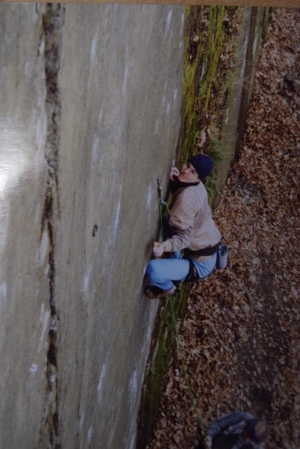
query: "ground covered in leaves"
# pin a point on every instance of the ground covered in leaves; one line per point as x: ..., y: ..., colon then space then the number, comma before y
x: 240, y: 337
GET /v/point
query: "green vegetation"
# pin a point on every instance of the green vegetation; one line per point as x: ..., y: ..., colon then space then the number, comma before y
x: 214, y: 149
x: 212, y: 52
x: 161, y: 355
x: 204, y: 84
x: 190, y: 91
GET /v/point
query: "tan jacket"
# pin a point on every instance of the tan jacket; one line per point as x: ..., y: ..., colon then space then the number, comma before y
x: 191, y: 222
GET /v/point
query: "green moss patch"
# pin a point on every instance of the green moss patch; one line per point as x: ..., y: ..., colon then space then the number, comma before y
x: 161, y: 354
x: 209, y: 31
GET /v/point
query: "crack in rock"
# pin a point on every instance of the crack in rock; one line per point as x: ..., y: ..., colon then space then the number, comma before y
x: 52, y: 24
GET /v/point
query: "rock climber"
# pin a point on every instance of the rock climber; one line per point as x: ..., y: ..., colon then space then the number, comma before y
x: 238, y: 430
x: 190, y: 228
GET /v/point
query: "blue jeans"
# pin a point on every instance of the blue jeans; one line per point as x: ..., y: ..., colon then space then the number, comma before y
x: 161, y: 272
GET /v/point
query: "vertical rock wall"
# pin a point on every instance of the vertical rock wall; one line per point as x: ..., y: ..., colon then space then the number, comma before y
x: 89, y: 111
x: 252, y: 27
x: 24, y: 285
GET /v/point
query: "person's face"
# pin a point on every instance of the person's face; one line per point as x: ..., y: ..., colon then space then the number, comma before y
x: 188, y: 173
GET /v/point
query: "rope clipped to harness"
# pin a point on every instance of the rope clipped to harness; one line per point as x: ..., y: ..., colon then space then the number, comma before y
x: 162, y: 205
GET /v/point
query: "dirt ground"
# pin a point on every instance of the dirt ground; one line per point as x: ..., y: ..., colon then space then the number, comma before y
x: 240, y: 338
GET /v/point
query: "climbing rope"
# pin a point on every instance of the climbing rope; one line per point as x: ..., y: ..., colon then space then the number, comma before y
x: 163, y: 204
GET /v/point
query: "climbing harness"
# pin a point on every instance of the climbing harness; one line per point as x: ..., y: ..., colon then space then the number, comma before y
x: 209, y: 251
x: 193, y: 274
x: 222, y: 259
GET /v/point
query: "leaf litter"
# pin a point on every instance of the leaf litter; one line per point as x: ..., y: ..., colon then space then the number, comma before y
x: 240, y: 337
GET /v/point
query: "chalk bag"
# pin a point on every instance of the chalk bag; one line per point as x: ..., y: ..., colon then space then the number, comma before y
x: 222, y: 257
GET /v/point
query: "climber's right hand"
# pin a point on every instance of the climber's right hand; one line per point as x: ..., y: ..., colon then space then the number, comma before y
x: 174, y: 172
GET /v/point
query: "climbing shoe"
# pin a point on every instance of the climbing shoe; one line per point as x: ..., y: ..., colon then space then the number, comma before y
x: 155, y: 292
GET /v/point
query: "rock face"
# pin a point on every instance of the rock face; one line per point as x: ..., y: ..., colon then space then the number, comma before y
x: 252, y: 27
x: 90, y: 100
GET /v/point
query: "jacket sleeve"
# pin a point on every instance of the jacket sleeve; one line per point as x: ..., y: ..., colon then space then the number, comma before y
x: 220, y: 424
x: 181, y: 222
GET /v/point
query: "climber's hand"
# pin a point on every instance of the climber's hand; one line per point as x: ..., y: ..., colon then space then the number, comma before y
x: 174, y: 172
x: 158, y: 249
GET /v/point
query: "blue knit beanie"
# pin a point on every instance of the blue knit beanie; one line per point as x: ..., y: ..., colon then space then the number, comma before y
x: 203, y: 165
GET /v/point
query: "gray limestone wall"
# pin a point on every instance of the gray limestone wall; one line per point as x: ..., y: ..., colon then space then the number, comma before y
x: 90, y: 100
